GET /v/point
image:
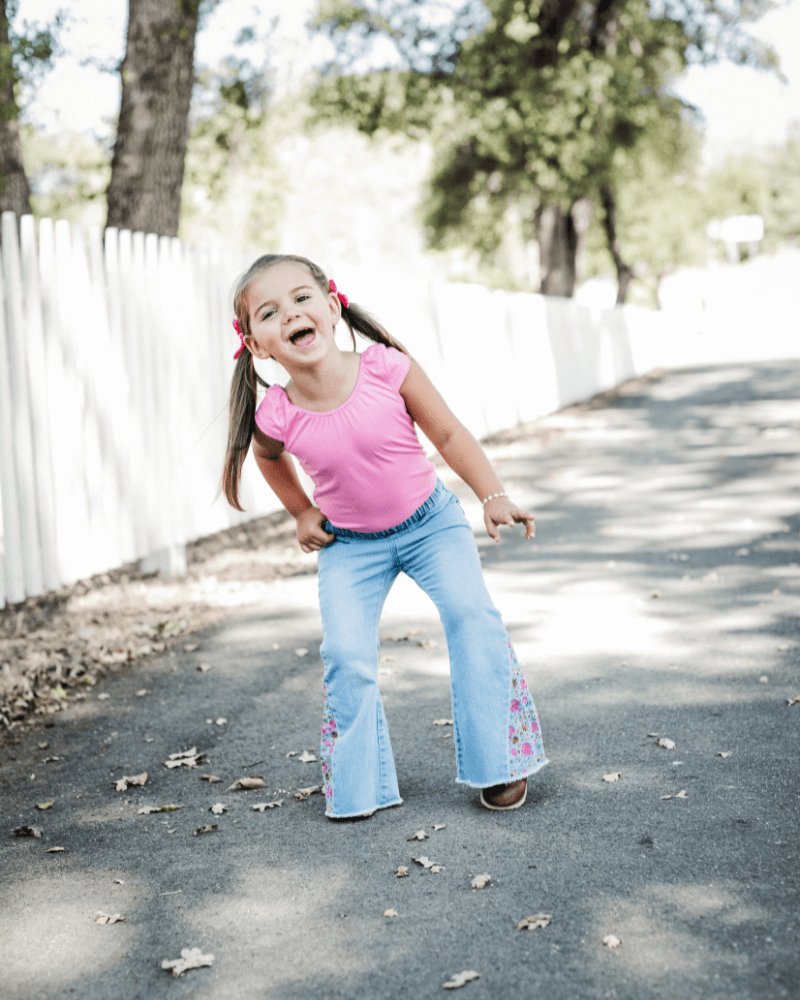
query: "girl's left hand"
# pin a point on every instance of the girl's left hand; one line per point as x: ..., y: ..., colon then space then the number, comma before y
x: 501, y: 510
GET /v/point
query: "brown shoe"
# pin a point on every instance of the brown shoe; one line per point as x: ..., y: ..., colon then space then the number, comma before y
x: 501, y: 798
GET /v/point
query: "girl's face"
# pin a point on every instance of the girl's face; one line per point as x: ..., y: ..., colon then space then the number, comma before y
x: 291, y: 318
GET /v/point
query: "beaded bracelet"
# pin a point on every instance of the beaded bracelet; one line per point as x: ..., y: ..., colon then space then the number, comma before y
x: 492, y: 496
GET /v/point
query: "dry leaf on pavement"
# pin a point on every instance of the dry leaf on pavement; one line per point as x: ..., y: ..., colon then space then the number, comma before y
x: 212, y: 779
x: 55, y: 850
x: 108, y: 918
x: 390, y: 913
x: 191, y: 958
x: 401, y: 871
x: 611, y: 941
x: 301, y: 652
x: 419, y: 835
x: 793, y: 701
x: 675, y: 795
x: 439, y: 826
x: 306, y: 757
x: 245, y: 784
x: 186, y: 758
x: 534, y: 922
x: 303, y: 793
x: 667, y: 744
x: 44, y: 805
x: 263, y: 806
x: 443, y: 722
x: 208, y: 828
x: 724, y: 753
x: 218, y: 809
x: 460, y: 979
x: 146, y: 810
x: 128, y: 781
x: 612, y: 776
x: 480, y: 881
x: 27, y: 831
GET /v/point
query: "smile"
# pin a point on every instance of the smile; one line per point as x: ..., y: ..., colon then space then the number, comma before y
x: 303, y: 338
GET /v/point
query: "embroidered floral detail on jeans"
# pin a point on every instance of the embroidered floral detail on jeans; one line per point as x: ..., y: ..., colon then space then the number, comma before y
x: 327, y: 744
x: 525, y: 747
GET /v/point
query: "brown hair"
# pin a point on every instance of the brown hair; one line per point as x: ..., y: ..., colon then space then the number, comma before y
x: 242, y: 405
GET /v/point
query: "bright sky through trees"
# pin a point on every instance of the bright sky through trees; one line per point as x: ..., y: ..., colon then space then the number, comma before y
x: 742, y: 107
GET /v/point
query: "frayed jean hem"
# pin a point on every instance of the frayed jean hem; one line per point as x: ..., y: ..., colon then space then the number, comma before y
x: 362, y: 814
x: 505, y: 780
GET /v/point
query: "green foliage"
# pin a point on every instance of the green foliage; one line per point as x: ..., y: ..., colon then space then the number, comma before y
x: 535, y: 102
x: 25, y: 56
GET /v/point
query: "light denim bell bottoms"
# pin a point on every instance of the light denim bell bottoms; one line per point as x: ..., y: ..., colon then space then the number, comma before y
x: 497, y: 735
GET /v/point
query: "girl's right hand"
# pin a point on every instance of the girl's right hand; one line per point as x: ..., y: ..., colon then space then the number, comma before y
x: 310, y: 533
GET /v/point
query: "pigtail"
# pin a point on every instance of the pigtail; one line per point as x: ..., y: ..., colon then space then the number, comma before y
x: 365, y: 324
x: 241, y: 420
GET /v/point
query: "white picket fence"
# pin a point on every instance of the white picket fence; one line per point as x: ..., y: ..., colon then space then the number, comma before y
x: 115, y: 361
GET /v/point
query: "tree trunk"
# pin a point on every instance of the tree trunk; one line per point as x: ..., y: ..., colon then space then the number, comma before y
x: 157, y: 77
x: 559, y: 233
x: 15, y: 194
x: 624, y: 271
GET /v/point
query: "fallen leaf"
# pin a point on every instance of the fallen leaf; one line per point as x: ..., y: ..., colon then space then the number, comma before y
x: 306, y: 757
x: 763, y: 679
x: 203, y: 667
x: 435, y: 869
x: 220, y: 722
x: 43, y: 745
x: 142, y: 692
x: 419, y: 835
x: 460, y: 979
x: 55, y: 850
x: 424, y: 861
x: 27, y: 831
x: 146, y: 810
x: 391, y: 913
x: 534, y: 922
x: 652, y: 735
x: 443, y: 722
x: 103, y: 696
x: 301, y: 652
x: 186, y: 758
x: 612, y: 776
x: 108, y: 918
x: 191, y: 958
x: 303, y: 793
x: 724, y: 753
x: 667, y: 744
x: 439, y: 826
x: 401, y: 871
x: 793, y: 701
x: 611, y: 941
x: 245, y: 784
x: 44, y: 805
x: 208, y: 828
x: 480, y: 881
x: 50, y: 760
x: 262, y: 806
x: 190, y: 647
x: 676, y: 795
x: 218, y: 809
x: 212, y: 779
x: 126, y: 782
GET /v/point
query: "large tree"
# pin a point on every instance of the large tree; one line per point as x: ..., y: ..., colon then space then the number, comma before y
x: 150, y: 149
x: 535, y: 107
x: 23, y: 54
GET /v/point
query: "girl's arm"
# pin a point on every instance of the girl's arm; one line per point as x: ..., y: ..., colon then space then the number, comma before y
x: 460, y: 450
x: 277, y: 468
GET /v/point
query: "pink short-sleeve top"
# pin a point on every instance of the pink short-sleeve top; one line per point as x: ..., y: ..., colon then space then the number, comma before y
x: 364, y: 457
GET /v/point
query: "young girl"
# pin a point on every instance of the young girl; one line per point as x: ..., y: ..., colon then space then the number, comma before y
x: 378, y: 509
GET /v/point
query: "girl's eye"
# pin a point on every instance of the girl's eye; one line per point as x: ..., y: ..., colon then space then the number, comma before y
x: 268, y: 313
x: 303, y: 296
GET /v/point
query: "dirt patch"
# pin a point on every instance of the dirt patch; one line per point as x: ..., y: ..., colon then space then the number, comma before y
x: 54, y: 647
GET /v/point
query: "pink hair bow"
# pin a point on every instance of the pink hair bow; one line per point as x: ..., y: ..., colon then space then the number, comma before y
x: 339, y: 295
x: 237, y: 327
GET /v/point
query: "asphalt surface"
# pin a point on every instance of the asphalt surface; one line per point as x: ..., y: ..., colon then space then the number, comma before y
x: 659, y: 601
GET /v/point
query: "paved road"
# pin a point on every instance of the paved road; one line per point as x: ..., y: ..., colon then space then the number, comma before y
x: 660, y: 600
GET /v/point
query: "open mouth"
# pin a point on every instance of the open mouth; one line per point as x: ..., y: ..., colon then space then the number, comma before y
x: 302, y: 337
